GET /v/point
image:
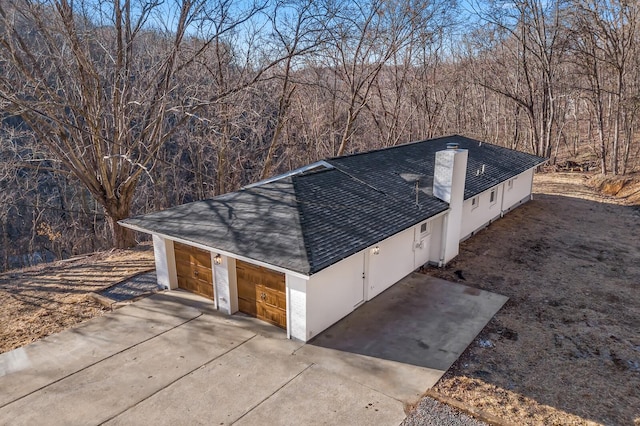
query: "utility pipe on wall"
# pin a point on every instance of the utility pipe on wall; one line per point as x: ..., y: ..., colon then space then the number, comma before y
x: 502, y: 200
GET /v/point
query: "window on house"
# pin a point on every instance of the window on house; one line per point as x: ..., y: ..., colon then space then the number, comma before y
x: 425, y: 228
x: 474, y: 202
x: 510, y: 184
x: 492, y: 197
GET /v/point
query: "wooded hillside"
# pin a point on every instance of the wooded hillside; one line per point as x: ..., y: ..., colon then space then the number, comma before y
x: 117, y: 108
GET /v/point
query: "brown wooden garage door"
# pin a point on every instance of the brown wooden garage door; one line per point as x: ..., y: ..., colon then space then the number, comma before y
x: 194, y: 269
x: 261, y: 293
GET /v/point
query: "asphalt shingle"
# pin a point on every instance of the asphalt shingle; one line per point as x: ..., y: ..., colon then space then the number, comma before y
x: 309, y: 221
x: 384, y: 167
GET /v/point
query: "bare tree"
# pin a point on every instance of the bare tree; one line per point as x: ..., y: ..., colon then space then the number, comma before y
x: 605, y: 34
x: 365, y: 35
x: 102, y: 83
x: 297, y: 30
x: 527, y: 44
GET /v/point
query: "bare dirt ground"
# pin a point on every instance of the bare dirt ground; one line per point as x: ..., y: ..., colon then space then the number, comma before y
x: 46, y: 299
x: 565, y: 349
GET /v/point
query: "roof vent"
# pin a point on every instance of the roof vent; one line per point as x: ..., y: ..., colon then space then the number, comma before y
x: 452, y: 145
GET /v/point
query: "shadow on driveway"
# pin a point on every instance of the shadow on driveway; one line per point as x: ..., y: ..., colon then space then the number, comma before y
x: 421, y: 320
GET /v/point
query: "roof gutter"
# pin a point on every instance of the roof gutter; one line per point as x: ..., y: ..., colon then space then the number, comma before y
x: 217, y: 250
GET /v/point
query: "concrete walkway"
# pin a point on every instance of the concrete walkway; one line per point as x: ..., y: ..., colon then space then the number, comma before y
x: 172, y: 359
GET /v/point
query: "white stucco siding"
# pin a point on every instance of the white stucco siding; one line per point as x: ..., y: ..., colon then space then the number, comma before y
x: 476, y: 217
x: 435, y: 240
x: 519, y: 190
x: 507, y: 196
x: 336, y: 291
x: 224, y: 279
x: 297, y: 307
x: 333, y: 293
x: 395, y: 260
x: 165, y: 262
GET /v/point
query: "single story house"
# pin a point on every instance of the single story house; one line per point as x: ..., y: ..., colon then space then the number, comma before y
x: 304, y: 249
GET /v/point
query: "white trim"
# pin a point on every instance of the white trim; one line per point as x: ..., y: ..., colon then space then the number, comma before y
x: 222, y: 252
x: 287, y: 293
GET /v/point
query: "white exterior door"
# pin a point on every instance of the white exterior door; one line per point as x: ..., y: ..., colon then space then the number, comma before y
x: 421, y: 244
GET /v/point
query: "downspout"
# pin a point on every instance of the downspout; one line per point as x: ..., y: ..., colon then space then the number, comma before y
x: 502, y: 201
x: 443, y: 246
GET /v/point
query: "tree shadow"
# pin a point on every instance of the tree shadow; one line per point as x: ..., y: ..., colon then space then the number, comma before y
x: 50, y: 287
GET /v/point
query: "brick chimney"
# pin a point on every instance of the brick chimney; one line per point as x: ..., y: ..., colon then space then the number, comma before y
x: 450, y: 172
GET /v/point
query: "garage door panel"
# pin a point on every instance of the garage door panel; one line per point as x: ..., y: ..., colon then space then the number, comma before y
x: 190, y: 260
x: 205, y: 288
x: 192, y: 255
x: 273, y: 316
x: 197, y: 286
x: 261, y: 293
x: 248, y: 307
x: 187, y: 283
x: 275, y: 298
x: 249, y: 273
x: 202, y: 272
x: 194, y: 271
x: 182, y: 257
x: 275, y: 283
x: 202, y: 261
x: 193, y: 267
x: 183, y: 269
x: 246, y: 290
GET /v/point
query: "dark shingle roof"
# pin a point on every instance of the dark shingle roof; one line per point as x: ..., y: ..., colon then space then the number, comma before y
x: 308, y: 221
x: 384, y: 166
x: 260, y: 223
x: 340, y: 215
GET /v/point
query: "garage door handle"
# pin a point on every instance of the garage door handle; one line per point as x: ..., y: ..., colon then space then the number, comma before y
x: 263, y: 296
x: 195, y: 273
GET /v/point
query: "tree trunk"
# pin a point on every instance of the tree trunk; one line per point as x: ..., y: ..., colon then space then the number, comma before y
x: 118, y: 209
x: 346, y: 135
x: 121, y: 237
x: 283, y: 109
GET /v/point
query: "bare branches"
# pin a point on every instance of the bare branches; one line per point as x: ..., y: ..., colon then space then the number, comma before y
x: 144, y: 104
x: 105, y: 99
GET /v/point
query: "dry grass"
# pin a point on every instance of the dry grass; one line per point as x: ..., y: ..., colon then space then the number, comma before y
x: 38, y: 301
x: 566, y: 347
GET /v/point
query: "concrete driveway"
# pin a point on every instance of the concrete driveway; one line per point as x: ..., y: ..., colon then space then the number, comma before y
x: 171, y: 359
